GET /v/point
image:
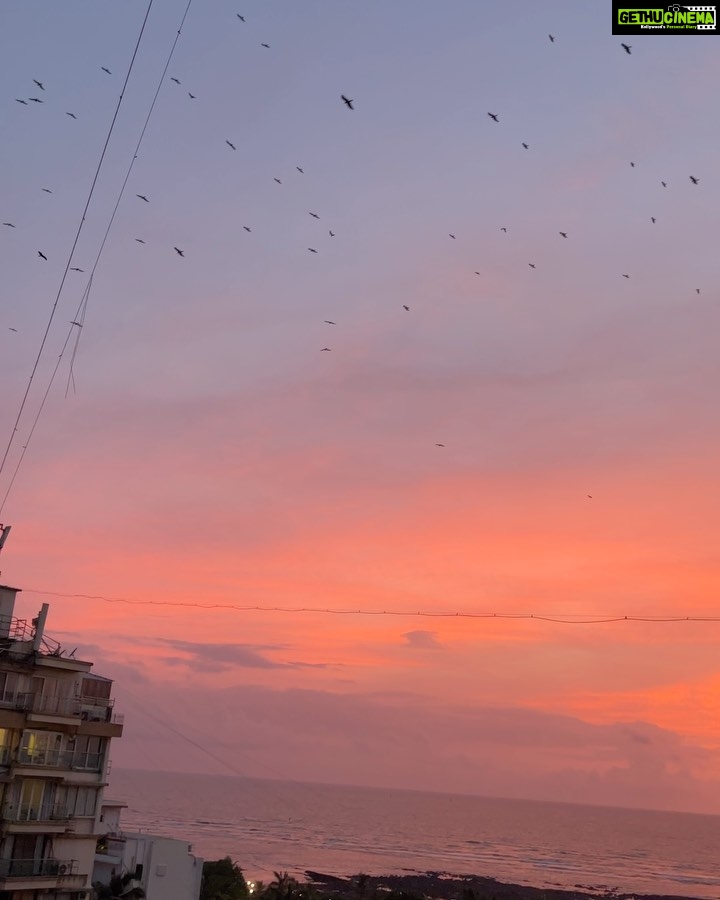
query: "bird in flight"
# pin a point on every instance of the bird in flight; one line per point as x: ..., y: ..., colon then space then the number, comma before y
x: 652, y: 219
x: 477, y: 273
x: 12, y: 329
x: 694, y: 179
x: 79, y: 324
x: 246, y: 228
x: 552, y: 39
x: 632, y: 164
x: 626, y: 48
x: 697, y: 290
x: 312, y: 250
x: 140, y: 240
x: 231, y: 146
x: 453, y: 237
x: 265, y: 45
x: 663, y: 183
x: 9, y: 224
x: 106, y: 70
x: 176, y: 80
x: 625, y: 276
x: 331, y: 233
x: 39, y: 84
x: 532, y: 265
x: 328, y: 322
x: 439, y: 445
x: 242, y: 18
x: 590, y: 496
x: 347, y: 101
x: 526, y: 146
x: 299, y: 170
x: 406, y: 308
x: 503, y: 228
x: 314, y: 215
x: 142, y: 197
x: 278, y: 180
x: 179, y: 251
x: 191, y: 96
x: 494, y: 117
x: 24, y: 102
x: 72, y: 115
x: 75, y: 269
x: 47, y: 190
x: 324, y: 349
x: 42, y: 255
x: 563, y: 233
x: 36, y: 100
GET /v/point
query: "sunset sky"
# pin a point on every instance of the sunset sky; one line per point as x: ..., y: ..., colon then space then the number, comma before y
x: 207, y: 453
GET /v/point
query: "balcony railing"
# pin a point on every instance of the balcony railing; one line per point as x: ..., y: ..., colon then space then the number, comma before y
x: 57, y: 813
x: 60, y: 759
x: 92, y: 709
x: 55, y: 706
x: 37, y: 868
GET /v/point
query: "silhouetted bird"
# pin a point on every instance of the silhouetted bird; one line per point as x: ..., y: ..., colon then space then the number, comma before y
x: 12, y: 329
x: 106, y: 70
x: 191, y: 96
x: 625, y: 276
x: 694, y: 179
x: 176, y: 80
x: 590, y: 496
x: 626, y: 47
x: 331, y: 233
x: 36, y: 100
x: 503, y: 228
x: 265, y: 45
x: 314, y: 215
x: 324, y: 349
x: 179, y: 251
x: 453, y: 237
x: 328, y: 322
x: 242, y: 18
x: 140, y: 240
x: 312, y: 250
x: 406, y: 308
x: 300, y: 170
x: 231, y: 146
x: 47, y: 190
x: 632, y: 164
x: 347, y: 101
x: 439, y: 445
x: 278, y: 180
x: 663, y: 183
x: 494, y: 117
x: 142, y: 197
x: 563, y: 233
x: 477, y: 273
x: 246, y: 228
x: 652, y: 219
x: 79, y: 324
x: 9, y: 224
x: 697, y: 290
x: 39, y: 84
x: 526, y: 146
x: 42, y: 255
x: 532, y: 265
x: 552, y: 39
x: 72, y: 115
x: 75, y: 269
x: 24, y: 102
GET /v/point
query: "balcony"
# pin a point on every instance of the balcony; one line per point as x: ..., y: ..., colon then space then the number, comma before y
x: 60, y: 759
x: 37, y: 868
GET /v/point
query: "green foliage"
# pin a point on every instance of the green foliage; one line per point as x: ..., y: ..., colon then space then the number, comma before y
x: 223, y: 880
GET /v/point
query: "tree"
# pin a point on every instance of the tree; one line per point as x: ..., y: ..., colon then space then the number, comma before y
x: 223, y: 880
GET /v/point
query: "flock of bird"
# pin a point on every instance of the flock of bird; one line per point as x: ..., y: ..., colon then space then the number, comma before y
x: 349, y: 103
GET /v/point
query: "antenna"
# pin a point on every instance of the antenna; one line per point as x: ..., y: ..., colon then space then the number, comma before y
x: 4, y: 532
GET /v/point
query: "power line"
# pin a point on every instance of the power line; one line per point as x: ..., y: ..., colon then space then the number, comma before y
x: 75, y: 241
x: 567, y: 619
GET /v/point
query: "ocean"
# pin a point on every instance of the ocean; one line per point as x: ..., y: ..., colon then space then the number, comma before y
x: 268, y: 826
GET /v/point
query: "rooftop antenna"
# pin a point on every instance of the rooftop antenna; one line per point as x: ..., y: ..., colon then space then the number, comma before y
x: 4, y: 532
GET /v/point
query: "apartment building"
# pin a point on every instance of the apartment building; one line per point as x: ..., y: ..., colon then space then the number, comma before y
x: 56, y: 725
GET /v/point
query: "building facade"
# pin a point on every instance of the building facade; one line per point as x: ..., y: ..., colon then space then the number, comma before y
x: 56, y: 725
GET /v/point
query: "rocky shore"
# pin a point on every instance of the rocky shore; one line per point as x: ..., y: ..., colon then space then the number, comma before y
x: 444, y: 886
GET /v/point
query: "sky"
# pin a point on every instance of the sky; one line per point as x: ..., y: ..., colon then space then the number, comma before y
x: 520, y: 441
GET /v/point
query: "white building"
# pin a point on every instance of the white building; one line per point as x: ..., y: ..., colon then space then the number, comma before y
x: 56, y: 724
x: 163, y: 867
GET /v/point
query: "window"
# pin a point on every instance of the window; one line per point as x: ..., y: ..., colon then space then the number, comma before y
x: 96, y: 688
x: 11, y: 684
x: 42, y: 748
x: 80, y: 800
x: 88, y: 752
x: 6, y: 742
x: 36, y: 800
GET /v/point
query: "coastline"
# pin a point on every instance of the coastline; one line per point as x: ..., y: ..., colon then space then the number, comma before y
x: 447, y: 886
